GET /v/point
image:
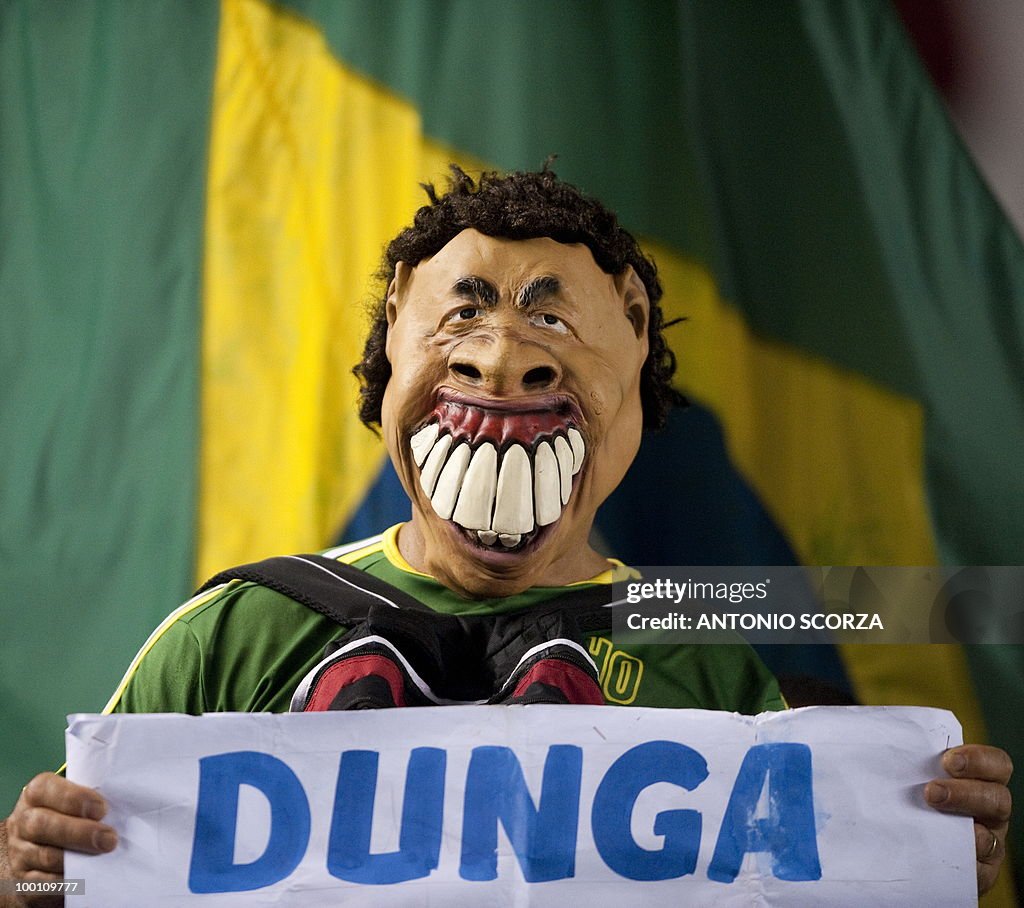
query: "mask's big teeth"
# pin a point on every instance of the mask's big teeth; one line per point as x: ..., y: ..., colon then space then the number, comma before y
x: 513, y: 506
x: 435, y: 460
x: 450, y: 481
x: 578, y: 450
x: 546, y: 485
x: 422, y: 442
x: 465, y: 485
x: 564, y: 455
x: 473, y: 510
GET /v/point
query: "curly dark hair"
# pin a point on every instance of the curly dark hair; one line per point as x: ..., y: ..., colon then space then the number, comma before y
x: 521, y: 206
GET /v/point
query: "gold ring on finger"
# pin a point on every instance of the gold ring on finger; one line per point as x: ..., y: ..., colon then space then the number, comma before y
x: 992, y: 848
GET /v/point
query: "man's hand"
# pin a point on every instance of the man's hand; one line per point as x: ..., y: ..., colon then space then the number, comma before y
x: 977, y: 789
x: 51, y: 815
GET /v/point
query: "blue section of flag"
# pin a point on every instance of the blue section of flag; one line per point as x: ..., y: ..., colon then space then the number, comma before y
x: 682, y: 502
x: 385, y: 505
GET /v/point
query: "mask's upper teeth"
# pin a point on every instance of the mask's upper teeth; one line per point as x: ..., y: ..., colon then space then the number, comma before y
x: 422, y: 442
x: 564, y: 455
x: 513, y: 506
x: 578, y: 450
x: 465, y: 485
x: 435, y: 460
x: 450, y: 481
x: 546, y: 485
x: 473, y: 509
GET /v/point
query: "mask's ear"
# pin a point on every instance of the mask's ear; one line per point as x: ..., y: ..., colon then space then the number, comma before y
x: 403, y: 274
x: 635, y: 302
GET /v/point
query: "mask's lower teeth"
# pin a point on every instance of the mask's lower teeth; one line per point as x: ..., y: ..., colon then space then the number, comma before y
x: 508, y: 540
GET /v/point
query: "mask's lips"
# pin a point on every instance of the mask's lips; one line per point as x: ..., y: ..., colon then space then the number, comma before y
x: 502, y: 422
x: 500, y: 471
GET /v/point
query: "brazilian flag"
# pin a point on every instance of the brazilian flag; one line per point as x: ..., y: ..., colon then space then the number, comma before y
x: 193, y: 196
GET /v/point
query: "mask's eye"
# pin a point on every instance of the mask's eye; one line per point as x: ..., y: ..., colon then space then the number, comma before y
x: 466, y: 313
x: 547, y: 320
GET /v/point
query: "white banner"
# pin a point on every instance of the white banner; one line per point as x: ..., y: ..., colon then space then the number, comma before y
x: 536, y: 805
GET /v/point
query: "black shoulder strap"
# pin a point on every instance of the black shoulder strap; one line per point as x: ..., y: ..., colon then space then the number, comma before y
x: 334, y: 589
x: 344, y: 593
x: 591, y: 606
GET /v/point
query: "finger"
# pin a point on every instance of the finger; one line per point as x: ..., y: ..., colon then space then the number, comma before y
x: 978, y: 761
x: 41, y: 826
x: 988, y: 802
x: 29, y: 857
x: 57, y: 793
x: 987, y: 876
x: 988, y: 846
x: 40, y: 876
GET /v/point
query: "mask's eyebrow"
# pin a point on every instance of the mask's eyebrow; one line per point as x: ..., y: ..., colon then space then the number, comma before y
x: 477, y: 290
x: 537, y: 290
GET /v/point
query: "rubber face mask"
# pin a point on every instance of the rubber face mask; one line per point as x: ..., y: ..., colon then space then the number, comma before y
x: 513, y: 409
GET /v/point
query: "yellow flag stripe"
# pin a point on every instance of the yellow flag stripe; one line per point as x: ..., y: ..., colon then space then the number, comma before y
x: 312, y: 170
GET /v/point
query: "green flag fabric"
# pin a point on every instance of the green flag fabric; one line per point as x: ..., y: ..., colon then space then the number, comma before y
x: 104, y: 122
x: 194, y: 194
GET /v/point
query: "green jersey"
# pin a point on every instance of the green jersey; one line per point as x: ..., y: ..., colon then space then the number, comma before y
x: 245, y: 648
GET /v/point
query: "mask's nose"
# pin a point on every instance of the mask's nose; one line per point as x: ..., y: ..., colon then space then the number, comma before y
x: 503, y: 365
